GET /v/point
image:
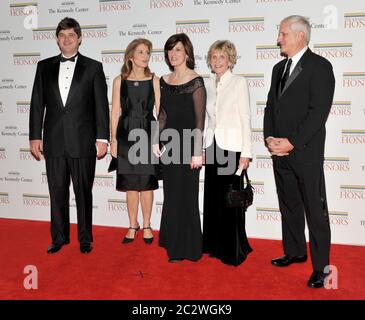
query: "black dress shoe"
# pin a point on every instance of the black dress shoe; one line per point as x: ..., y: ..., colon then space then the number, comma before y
x: 175, y: 260
x: 317, y: 279
x: 53, y: 248
x: 287, y: 260
x: 86, y: 248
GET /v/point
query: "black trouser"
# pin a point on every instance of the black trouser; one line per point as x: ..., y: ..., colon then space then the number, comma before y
x: 301, y: 189
x: 59, y: 172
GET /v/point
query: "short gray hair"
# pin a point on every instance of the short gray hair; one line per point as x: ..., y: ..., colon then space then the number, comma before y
x: 299, y: 23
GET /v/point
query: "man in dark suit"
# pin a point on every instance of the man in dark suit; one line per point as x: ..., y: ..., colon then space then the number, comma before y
x: 299, y: 101
x: 71, y: 90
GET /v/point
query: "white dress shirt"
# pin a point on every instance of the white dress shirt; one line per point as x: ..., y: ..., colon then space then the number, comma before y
x: 229, y: 117
x: 65, y: 76
x: 295, y: 59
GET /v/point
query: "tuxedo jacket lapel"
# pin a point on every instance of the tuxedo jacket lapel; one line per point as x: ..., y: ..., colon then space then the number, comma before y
x: 297, y: 70
x: 76, y: 79
x: 54, y: 79
x: 278, y: 78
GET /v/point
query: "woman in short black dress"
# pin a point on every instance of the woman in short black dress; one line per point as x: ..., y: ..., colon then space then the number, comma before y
x: 135, y: 94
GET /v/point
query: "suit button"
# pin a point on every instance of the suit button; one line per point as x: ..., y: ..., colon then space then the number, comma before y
x: 277, y: 111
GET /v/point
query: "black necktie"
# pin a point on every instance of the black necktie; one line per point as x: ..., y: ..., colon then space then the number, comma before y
x: 63, y: 59
x: 285, y: 75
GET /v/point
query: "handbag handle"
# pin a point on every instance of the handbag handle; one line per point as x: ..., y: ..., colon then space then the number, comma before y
x: 242, y: 181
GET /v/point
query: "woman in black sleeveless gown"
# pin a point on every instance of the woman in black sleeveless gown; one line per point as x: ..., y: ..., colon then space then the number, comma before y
x: 183, y: 101
x: 135, y: 93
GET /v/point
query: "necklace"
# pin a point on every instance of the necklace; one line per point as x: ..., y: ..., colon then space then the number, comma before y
x: 135, y: 83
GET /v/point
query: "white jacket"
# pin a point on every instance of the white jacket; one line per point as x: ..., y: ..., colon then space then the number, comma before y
x: 229, y: 117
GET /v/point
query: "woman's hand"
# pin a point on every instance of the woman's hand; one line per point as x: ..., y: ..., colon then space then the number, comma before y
x: 196, y: 162
x: 156, y: 150
x: 244, y: 163
x: 114, y: 148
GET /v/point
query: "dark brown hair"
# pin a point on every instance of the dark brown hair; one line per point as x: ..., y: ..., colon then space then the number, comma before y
x: 188, y: 46
x: 129, y: 52
x: 69, y: 23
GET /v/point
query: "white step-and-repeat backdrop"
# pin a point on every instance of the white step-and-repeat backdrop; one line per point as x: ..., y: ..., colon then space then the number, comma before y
x: 27, y: 35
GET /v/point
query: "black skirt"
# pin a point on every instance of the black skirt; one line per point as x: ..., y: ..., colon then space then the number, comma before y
x: 135, y: 182
x: 224, y: 234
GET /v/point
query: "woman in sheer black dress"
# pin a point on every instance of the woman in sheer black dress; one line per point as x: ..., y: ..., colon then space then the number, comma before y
x: 183, y: 100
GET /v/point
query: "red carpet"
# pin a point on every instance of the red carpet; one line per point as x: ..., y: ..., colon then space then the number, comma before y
x: 137, y: 271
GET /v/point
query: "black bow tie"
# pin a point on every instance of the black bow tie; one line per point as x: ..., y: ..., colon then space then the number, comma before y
x: 63, y: 59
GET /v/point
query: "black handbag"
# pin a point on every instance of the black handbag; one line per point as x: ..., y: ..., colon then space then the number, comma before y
x: 159, y: 171
x: 113, y: 165
x: 241, y: 198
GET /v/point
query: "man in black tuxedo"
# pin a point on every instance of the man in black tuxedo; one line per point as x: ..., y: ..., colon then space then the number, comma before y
x: 71, y: 89
x: 299, y: 101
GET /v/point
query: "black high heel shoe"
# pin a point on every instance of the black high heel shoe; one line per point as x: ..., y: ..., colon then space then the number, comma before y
x: 129, y: 240
x: 148, y: 240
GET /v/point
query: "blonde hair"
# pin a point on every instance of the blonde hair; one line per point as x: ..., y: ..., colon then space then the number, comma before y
x: 226, y: 46
x: 129, y: 53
